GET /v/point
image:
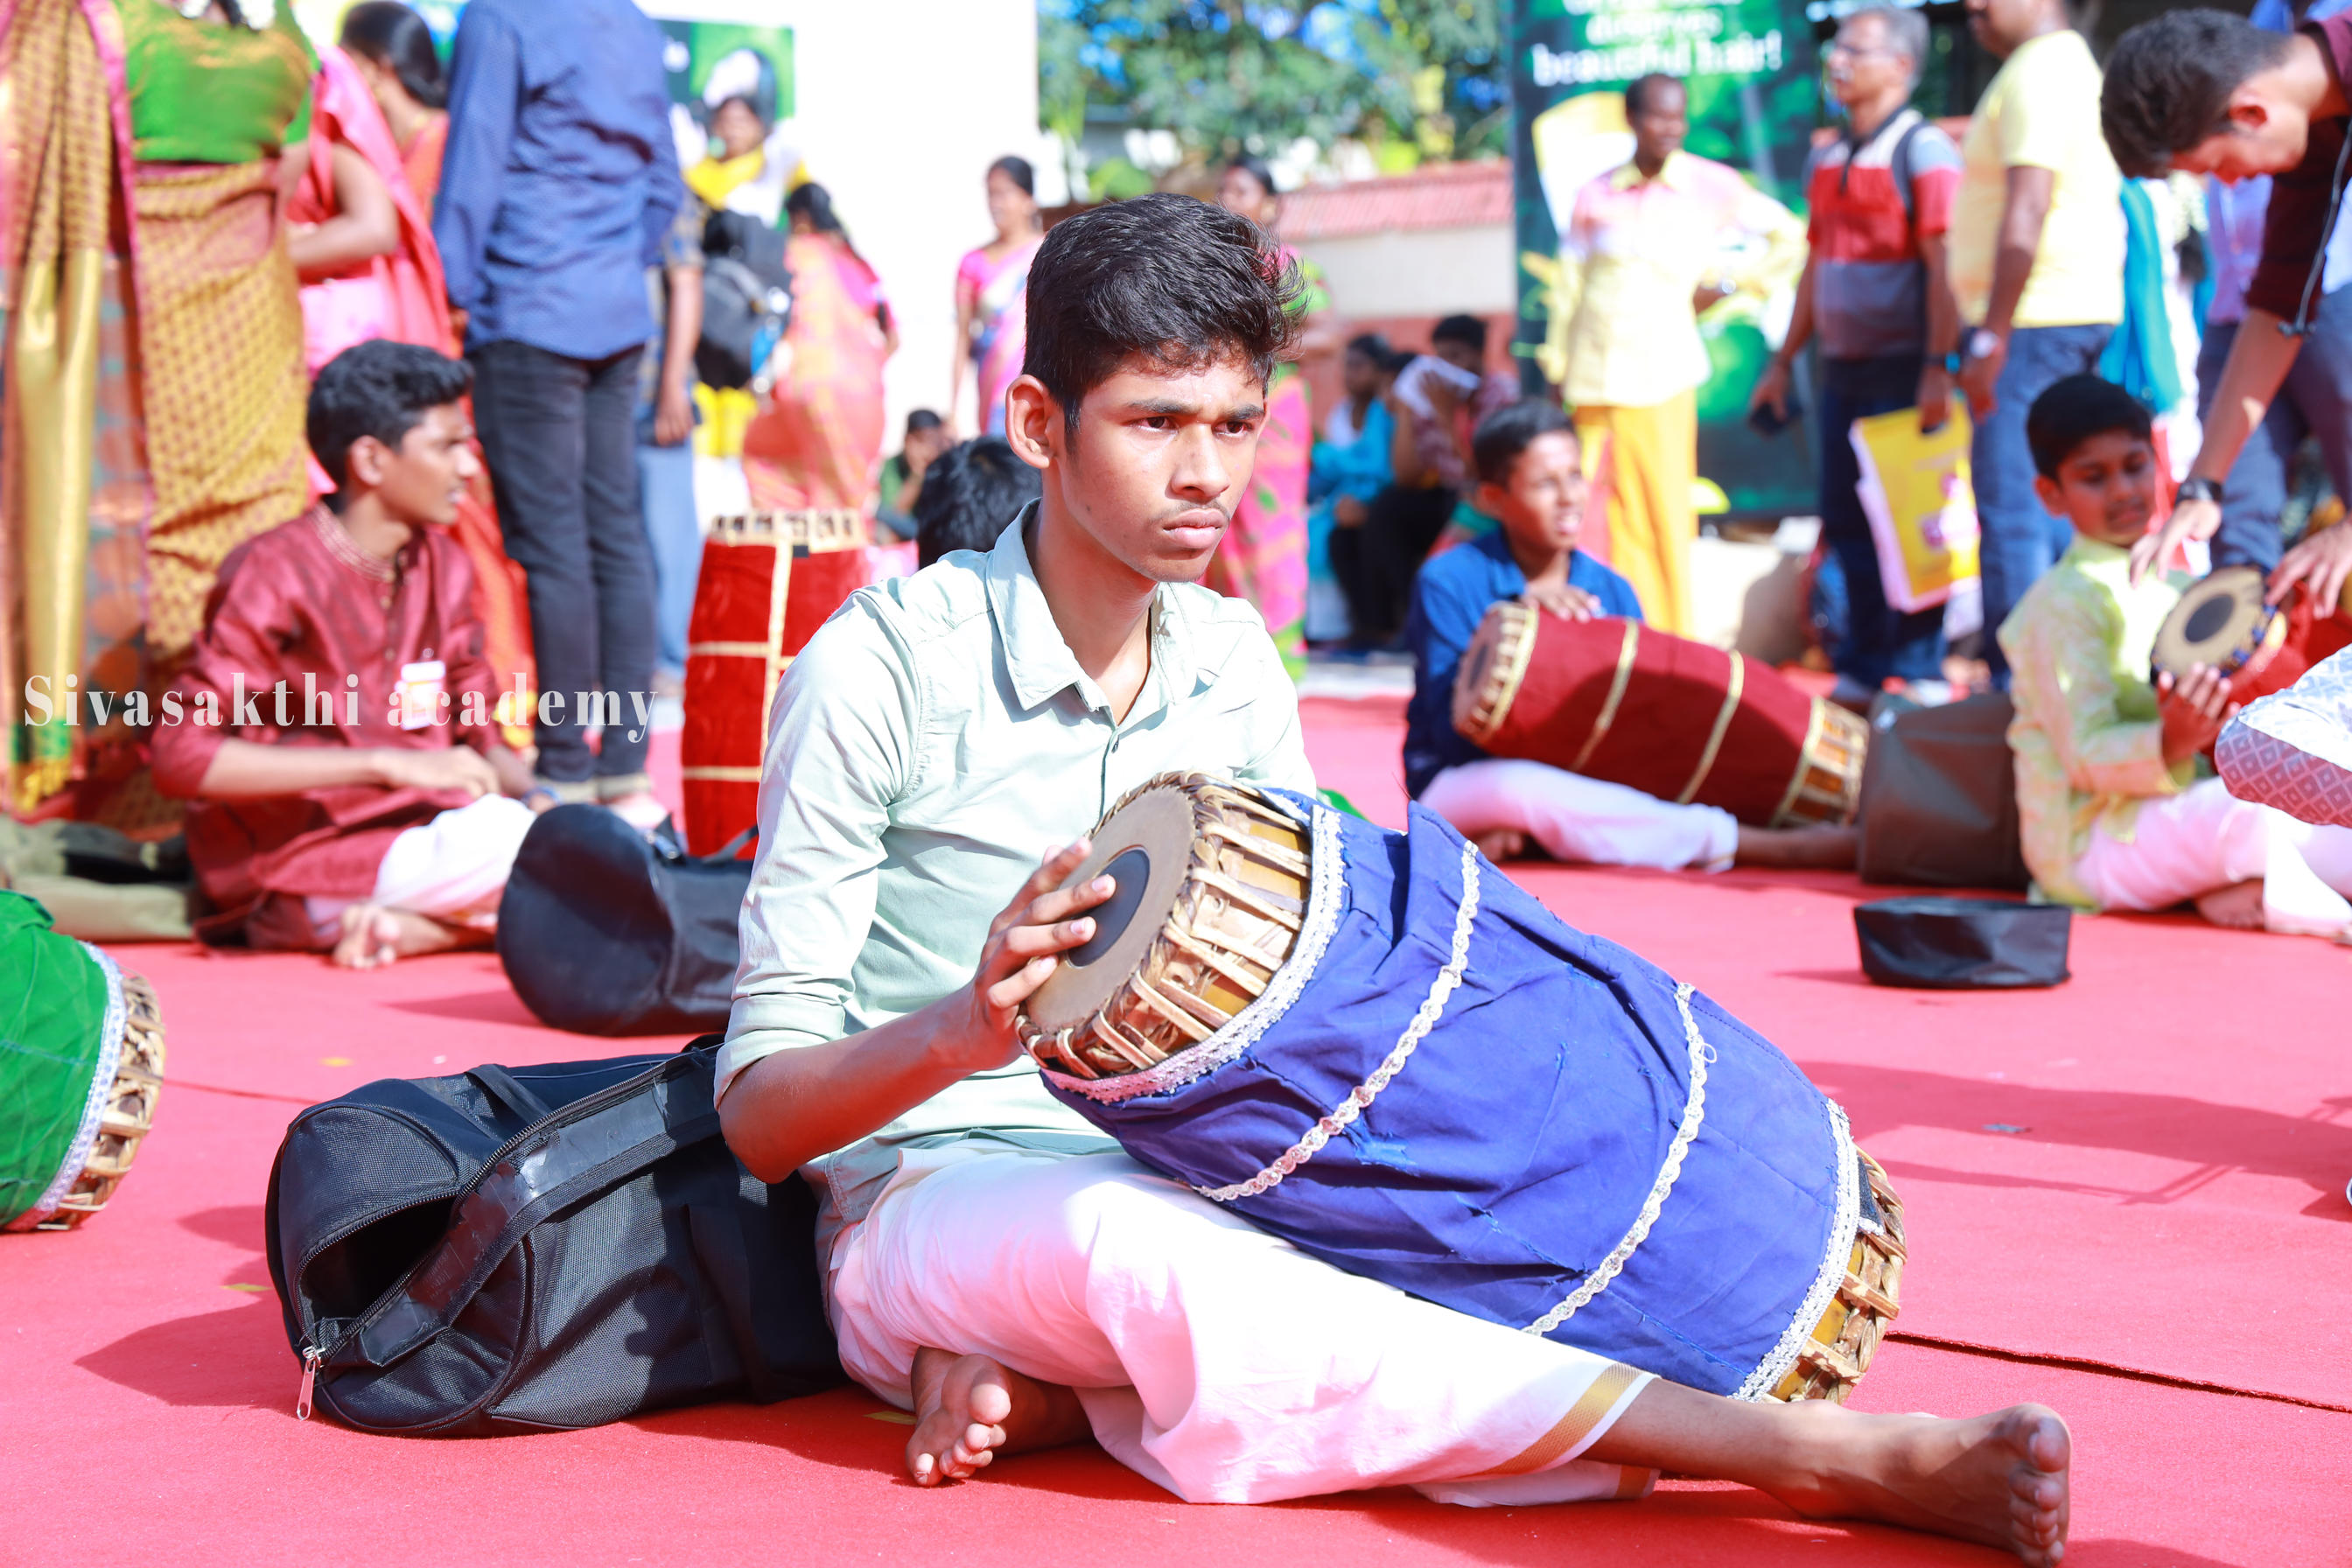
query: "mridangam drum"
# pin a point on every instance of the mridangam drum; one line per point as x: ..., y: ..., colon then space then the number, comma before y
x: 2221, y: 621
x: 769, y: 579
x: 78, y: 1087
x: 1376, y: 1047
x: 1684, y: 722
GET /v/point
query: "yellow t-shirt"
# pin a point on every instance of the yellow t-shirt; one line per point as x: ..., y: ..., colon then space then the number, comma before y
x: 2043, y: 112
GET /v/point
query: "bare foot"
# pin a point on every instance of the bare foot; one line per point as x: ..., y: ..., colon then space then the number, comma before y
x: 1822, y: 847
x: 2239, y: 905
x: 970, y: 1408
x: 1502, y: 843
x: 373, y: 936
x: 1998, y: 1480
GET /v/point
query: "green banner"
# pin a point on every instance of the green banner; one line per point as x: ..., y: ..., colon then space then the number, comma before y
x: 1750, y: 70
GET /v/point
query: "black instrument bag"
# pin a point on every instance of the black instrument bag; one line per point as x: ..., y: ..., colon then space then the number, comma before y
x: 603, y: 932
x: 539, y: 1248
x: 1940, y: 796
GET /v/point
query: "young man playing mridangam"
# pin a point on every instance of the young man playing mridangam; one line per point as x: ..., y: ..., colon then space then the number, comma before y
x: 994, y: 1265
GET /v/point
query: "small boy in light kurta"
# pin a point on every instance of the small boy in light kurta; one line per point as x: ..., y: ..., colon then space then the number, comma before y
x: 2110, y: 806
x: 334, y: 726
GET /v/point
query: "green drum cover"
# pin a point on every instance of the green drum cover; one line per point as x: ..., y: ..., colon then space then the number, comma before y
x: 54, y: 1002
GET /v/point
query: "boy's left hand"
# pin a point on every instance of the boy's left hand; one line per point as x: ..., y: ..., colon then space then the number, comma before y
x: 2192, y: 710
x: 1564, y: 600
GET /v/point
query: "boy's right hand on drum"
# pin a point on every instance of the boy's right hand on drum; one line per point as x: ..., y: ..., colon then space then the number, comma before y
x: 1044, y: 920
x: 2193, y: 709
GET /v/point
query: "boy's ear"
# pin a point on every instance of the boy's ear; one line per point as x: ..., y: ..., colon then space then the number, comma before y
x: 1033, y: 421
x: 1492, y: 498
x: 364, y: 464
x: 2053, y: 500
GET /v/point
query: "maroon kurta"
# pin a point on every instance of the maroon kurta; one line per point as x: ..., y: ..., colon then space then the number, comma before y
x: 303, y: 601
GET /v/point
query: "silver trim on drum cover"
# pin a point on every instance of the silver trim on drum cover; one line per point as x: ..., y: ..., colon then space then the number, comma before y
x: 1424, y: 1019
x: 1326, y: 891
x: 101, y: 1088
x: 1834, y: 1264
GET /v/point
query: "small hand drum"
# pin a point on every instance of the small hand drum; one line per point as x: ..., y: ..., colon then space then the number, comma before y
x: 1212, y: 893
x: 2223, y: 622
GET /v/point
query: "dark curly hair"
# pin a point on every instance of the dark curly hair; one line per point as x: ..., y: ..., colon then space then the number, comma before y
x: 970, y: 492
x: 378, y: 388
x: 1179, y: 281
x: 2169, y: 81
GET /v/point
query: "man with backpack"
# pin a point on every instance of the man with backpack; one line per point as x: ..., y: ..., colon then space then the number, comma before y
x: 1874, y: 297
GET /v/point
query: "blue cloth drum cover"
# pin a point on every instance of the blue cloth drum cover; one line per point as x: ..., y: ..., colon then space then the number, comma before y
x: 1448, y: 1089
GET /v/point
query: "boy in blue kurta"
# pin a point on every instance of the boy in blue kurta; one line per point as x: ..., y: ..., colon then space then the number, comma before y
x: 1531, y: 480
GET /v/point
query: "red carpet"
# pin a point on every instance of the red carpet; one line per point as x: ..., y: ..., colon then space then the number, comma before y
x: 2171, y: 1201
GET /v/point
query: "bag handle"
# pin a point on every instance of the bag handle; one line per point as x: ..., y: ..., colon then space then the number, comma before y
x: 732, y: 847
x: 583, y: 1148
x: 511, y: 1092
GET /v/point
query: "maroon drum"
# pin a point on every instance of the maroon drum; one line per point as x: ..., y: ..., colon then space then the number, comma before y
x: 1683, y: 721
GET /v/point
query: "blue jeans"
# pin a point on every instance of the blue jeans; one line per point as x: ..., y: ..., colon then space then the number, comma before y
x: 674, y: 534
x: 2020, y: 540
x: 1879, y: 640
x: 2315, y: 401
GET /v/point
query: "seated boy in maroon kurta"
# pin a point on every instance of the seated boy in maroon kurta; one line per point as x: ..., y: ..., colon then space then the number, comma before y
x: 335, y: 728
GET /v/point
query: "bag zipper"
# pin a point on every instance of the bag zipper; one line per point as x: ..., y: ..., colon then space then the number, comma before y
x: 316, y: 1356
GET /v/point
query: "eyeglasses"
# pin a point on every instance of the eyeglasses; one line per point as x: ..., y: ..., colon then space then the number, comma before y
x: 1840, y: 47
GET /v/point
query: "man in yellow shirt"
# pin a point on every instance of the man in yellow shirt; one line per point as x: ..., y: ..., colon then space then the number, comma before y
x: 2037, y: 263
x: 1642, y: 256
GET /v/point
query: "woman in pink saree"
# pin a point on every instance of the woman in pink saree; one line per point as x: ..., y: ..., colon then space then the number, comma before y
x: 362, y: 242
x: 817, y: 439
x: 993, y: 296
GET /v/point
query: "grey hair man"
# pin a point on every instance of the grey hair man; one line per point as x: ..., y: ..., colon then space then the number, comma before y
x: 1877, y: 303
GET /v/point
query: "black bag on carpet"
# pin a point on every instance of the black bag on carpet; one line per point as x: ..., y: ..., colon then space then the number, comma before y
x: 604, y: 932
x: 1963, y: 944
x: 539, y: 1248
x: 1940, y: 796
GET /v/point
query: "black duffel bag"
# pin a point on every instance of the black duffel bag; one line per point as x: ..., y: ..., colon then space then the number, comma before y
x: 1940, y: 796
x: 539, y: 1248
x: 603, y: 932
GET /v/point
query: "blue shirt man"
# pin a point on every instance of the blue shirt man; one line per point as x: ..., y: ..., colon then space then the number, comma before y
x: 558, y: 189
x: 561, y: 176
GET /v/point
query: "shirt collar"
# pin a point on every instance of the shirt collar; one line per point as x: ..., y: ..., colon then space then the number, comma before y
x: 1038, y: 656
x: 1670, y: 173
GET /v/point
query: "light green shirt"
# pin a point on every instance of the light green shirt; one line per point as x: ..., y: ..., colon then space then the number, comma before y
x: 2088, y: 740
x: 931, y: 744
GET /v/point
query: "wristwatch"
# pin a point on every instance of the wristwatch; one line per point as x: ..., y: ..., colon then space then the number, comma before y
x: 1983, y: 343
x: 2196, y: 487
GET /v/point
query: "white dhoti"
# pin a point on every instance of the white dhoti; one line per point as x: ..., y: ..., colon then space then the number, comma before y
x: 1575, y: 818
x: 2203, y: 839
x: 1212, y: 1358
x: 453, y: 869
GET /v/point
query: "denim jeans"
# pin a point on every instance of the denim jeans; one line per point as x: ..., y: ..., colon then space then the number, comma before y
x: 561, y: 443
x: 2020, y: 540
x: 1879, y: 640
x: 673, y: 535
x: 2315, y: 401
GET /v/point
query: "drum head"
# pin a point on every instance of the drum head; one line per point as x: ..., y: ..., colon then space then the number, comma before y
x: 2218, y: 621
x: 1147, y: 844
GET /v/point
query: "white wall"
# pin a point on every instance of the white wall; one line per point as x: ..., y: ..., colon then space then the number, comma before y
x: 901, y: 106
x: 1427, y: 272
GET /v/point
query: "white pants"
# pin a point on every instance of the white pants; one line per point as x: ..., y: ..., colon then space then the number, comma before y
x: 453, y: 869
x: 1212, y: 1358
x: 1581, y: 819
x: 2203, y: 839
